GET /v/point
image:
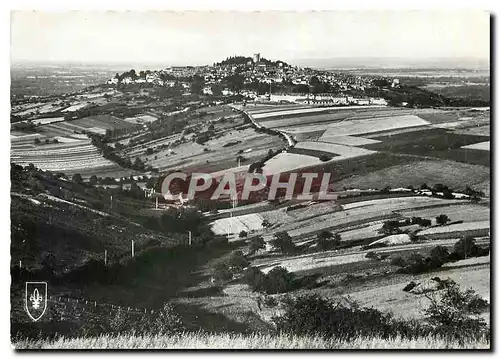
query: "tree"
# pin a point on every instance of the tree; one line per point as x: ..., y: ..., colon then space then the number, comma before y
x: 439, y: 255
x: 465, y: 247
x: 243, y: 234
x: 279, y: 280
x: 222, y: 273
x: 256, y: 244
x: 237, y: 261
x: 327, y: 240
x: 283, y: 242
x: 255, y: 279
x: 390, y: 227
x: 77, y: 178
x: 456, y: 313
x: 442, y: 219
x: 93, y: 180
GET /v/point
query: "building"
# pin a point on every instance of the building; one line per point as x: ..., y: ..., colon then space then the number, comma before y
x: 256, y: 58
x: 288, y: 97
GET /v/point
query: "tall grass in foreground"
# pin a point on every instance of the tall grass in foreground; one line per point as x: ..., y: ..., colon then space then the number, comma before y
x: 240, y: 341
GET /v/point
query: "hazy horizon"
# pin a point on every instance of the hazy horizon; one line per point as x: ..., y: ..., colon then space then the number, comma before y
x: 202, y: 38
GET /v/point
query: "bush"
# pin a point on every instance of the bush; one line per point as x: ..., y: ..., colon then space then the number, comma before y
x: 311, y: 315
x: 398, y: 261
x: 390, y: 227
x: 425, y: 223
x: 237, y: 261
x: 465, y: 247
x: 222, y: 273
x: 255, y: 279
x: 439, y: 255
x: 372, y: 255
x: 283, y: 242
x: 455, y: 314
x: 256, y: 243
x: 442, y: 219
x: 327, y: 240
x: 279, y: 280
x: 243, y: 234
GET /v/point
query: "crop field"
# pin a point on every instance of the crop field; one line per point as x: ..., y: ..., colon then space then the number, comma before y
x: 450, y: 173
x: 68, y: 157
x: 438, y: 143
x: 347, y: 140
x: 485, y: 146
x: 456, y: 212
x: 357, y: 214
x: 358, y: 127
x: 103, y: 121
x: 458, y: 228
x: 310, y: 110
x: 342, y: 152
x: 284, y: 162
x: 246, y: 222
x: 481, y: 130
x: 191, y: 155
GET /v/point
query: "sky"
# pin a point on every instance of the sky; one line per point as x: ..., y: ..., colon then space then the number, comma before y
x: 197, y: 38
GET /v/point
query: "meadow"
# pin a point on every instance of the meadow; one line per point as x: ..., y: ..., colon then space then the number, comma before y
x: 243, y: 341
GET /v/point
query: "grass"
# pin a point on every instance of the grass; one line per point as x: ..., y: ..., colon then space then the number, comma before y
x: 239, y: 341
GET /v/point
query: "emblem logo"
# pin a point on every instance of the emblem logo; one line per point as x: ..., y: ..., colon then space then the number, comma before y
x: 36, y: 299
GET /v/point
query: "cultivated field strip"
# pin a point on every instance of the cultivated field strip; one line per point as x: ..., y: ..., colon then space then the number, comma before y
x: 485, y: 146
x: 344, y: 152
x: 310, y: 110
x: 359, y: 127
x: 347, y: 140
x: 284, y: 162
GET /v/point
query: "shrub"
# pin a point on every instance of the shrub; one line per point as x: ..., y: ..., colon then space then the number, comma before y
x: 327, y: 240
x: 442, y: 219
x: 372, y: 255
x: 256, y: 243
x: 279, y: 280
x: 390, y: 227
x: 325, y: 158
x: 222, y: 273
x: 398, y: 261
x: 283, y: 242
x: 37, y: 141
x: 425, y: 223
x: 237, y: 261
x: 465, y: 247
x: 439, y: 255
x: 311, y: 315
x: 255, y: 279
x: 455, y: 314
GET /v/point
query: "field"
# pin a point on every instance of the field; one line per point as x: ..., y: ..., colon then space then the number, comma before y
x: 438, y: 143
x: 195, y: 341
x: 342, y: 151
x: 485, y: 146
x: 432, y: 171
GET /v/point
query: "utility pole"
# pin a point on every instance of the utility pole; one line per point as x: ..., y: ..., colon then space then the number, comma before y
x: 156, y: 202
x: 133, y: 253
x: 105, y: 257
x: 190, y: 238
